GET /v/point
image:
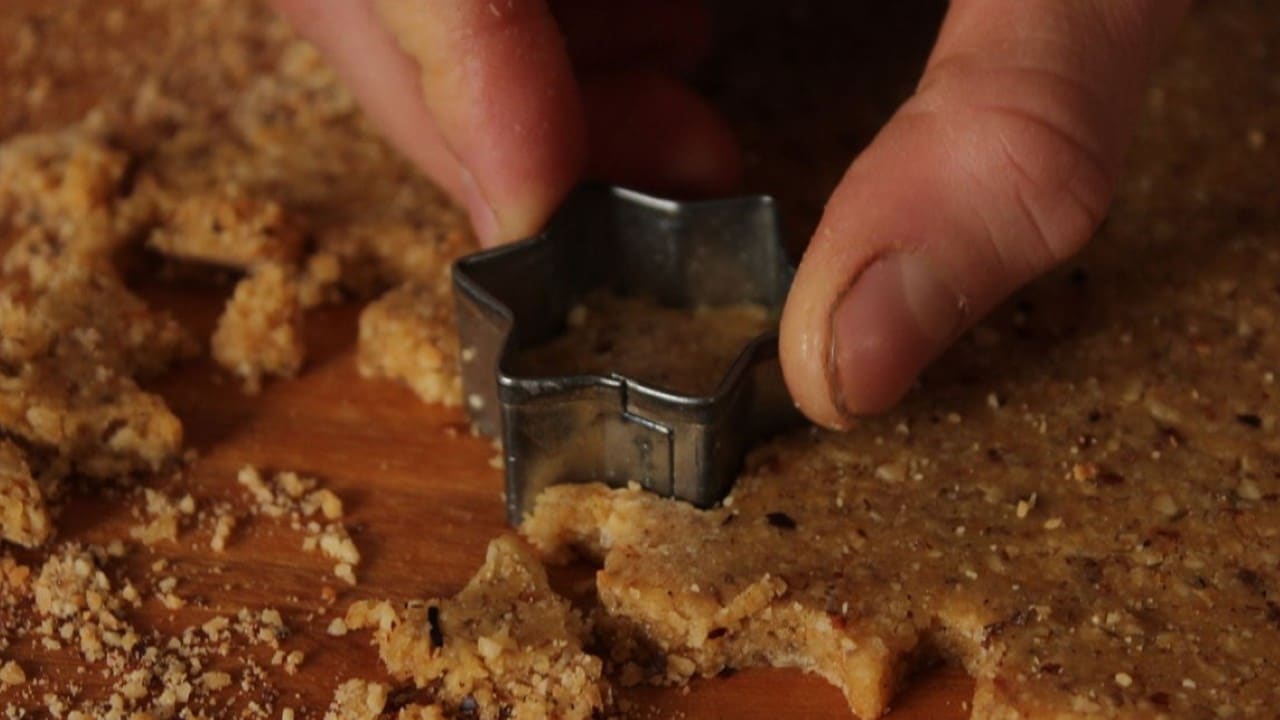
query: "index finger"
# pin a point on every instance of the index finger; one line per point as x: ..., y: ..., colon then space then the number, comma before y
x: 498, y: 81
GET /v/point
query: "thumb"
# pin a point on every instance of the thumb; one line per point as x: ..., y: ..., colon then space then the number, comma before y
x: 1000, y: 166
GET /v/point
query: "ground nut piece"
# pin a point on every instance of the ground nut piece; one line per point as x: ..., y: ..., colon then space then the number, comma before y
x: 319, y: 280
x: 162, y: 517
x: 504, y: 647
x: 70, y: 583
x: 12, y: 674
x: 357, y: 700
x: 23, y: 517
x: 260, y: 331
x: 408, y: 335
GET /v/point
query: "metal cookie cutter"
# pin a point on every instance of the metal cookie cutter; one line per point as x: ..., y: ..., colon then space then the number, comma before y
x: 610, y: 428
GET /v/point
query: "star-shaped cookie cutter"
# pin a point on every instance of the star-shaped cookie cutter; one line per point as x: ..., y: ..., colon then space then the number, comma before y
x: 611, y: 428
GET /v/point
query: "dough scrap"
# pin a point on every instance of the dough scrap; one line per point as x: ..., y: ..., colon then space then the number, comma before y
x: 357, y: 699
x: 505, y: 647
x: 408, y: 335
x: 260, y: 331
x: 67, y: 369
x: 228, y: 227
x: 24, y: 519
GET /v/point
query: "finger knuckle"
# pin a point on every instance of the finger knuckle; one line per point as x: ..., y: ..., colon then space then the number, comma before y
x: 1044, y: 163
x: 1059, y: 181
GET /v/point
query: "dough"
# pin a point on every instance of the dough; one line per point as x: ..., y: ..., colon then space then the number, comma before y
x: 505, y: 647
x: 635, y: 337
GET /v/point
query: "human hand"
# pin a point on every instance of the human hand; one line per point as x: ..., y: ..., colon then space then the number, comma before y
x: 1000, y: 166
x: 507, y: 104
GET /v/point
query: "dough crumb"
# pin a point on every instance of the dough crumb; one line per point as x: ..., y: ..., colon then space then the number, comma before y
x: 24, y: 519
x: 357, y: 700
x: 12, y: 674
x: 163, y: 517
x: 260, y: 331
x: 408, y: 335
x: 300, y: 501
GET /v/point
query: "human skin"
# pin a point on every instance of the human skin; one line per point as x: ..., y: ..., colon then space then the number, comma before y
x: 1000, y: 166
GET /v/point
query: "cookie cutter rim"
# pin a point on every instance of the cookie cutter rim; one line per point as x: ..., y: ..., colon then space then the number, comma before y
x: 609, y: 427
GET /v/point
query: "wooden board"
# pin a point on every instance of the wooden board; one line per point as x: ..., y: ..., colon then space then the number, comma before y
x: 423, y: 501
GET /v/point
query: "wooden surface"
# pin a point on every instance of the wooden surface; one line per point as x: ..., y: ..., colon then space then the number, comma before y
x: 423, y: 502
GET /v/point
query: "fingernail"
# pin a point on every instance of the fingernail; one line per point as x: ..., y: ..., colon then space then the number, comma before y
x: 484, y: 221
x: 889, y: 324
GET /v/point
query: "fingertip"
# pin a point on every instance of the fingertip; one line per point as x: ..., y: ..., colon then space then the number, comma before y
x: 499, y: 86
x: 865, y: 350
x: 484, y: 220
x: 803, y: 352
x: 895, y: 317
